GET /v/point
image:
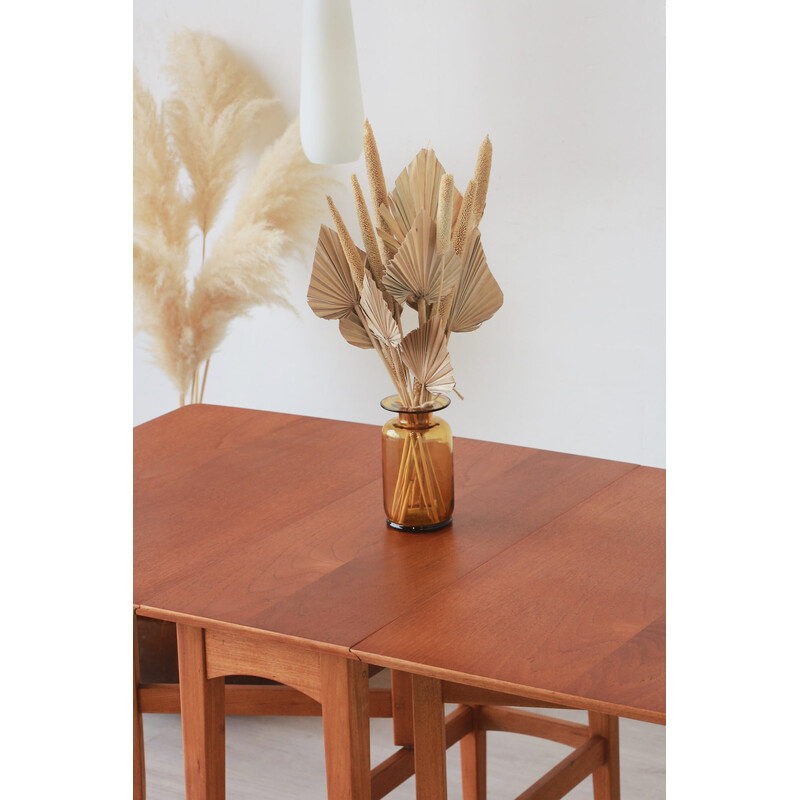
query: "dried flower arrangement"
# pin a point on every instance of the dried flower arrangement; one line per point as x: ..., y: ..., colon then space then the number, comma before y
x: 202, y: 129
x: 424, y: 252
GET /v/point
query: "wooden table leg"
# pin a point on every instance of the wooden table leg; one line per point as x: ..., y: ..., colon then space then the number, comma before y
x: 202, y: 718
x: 344, y: 688
x: 429, y: 738
x: 138, y: 729
x: 606, y: 777
x: 402, y: 709
x: 473, y: 760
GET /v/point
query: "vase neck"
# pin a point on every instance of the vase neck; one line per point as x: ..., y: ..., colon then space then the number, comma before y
x: 415, y: 420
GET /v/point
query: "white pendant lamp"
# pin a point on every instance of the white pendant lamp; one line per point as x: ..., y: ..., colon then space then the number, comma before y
x: 331, y: 110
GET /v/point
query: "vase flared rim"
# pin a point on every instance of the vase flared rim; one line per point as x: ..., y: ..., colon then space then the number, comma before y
x: 395, y: 403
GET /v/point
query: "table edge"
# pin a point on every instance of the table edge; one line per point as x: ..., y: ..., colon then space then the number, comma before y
x: 222, y: 626
x: 547, y: 695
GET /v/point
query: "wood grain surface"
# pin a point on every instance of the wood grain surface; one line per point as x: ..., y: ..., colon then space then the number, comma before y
x: 345, y: 722
x: 203, y: 714
x: 549, y: 584
x: 574, y: 611
x: 275, y: 522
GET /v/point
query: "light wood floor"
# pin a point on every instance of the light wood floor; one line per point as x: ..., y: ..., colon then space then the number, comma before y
x: 281, y: 758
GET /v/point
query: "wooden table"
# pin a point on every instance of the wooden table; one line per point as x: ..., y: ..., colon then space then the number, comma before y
x: 263, y: 537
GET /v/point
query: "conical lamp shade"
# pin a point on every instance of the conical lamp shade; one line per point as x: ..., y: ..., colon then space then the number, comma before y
x: 331, y: 110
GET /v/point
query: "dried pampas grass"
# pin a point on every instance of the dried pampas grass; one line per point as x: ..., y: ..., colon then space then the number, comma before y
x: 210, y: 116
x: 203, y: 129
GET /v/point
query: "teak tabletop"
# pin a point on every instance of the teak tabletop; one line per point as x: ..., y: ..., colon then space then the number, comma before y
x: 574, y: 613
x: 549, y: 583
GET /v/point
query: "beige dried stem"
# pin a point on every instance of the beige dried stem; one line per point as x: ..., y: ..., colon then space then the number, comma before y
x: 377, y: 183
x: 368, y: 236
x: 483, y: 168
x: 444, y: 214
x: 348, y: 245
x: 207, y: 120
x: 464, y: 218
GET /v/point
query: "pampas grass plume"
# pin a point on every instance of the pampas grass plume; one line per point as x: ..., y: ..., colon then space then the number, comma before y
x: 269, y: 227
x: 211, y: 115
x: 203, y: 128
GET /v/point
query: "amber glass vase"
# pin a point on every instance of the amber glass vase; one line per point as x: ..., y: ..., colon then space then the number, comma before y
x: 417, y: 454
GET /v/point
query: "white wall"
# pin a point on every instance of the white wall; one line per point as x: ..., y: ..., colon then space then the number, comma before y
x: 571, y: 93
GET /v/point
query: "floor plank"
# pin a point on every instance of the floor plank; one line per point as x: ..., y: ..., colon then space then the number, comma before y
x: 282, y: 758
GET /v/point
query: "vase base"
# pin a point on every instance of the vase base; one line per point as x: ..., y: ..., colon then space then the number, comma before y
x: 418, y: 528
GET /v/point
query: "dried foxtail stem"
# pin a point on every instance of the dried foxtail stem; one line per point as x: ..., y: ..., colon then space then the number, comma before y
x: 444, y: 213
x: 367, y: 233
x: 348, y: 245
x: 443, y: 310
x: 482, y: 169
x: 376, y: 182
x: 464, y: 218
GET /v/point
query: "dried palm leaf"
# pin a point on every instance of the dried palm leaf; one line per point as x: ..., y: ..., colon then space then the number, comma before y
x: 443, y: 309
x: 477, y: 296
x: 331, y: 291
x: 436, y: 265
x: 424, y: 352
x: 417, y: 189
x: 353, y: 331
x: 417, y: 270
x: 391, y: 234
x: 377, y: 313
x: 216, y: 101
